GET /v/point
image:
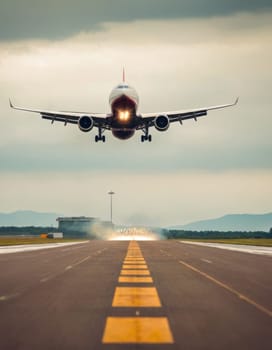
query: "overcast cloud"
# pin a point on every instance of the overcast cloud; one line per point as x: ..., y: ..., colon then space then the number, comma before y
x: 55, y: 19
x: 221, y: 164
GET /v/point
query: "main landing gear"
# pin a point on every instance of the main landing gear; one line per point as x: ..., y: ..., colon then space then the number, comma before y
x: 146, y: 136
x: 100, y: 137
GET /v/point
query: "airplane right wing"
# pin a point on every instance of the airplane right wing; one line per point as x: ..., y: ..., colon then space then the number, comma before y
x: 174, y: 116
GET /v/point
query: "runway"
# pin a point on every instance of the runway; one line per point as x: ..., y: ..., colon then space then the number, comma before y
x: 135, y: 295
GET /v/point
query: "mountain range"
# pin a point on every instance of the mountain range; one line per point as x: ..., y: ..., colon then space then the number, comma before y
x: 28, y: 218
x: 232, y: 222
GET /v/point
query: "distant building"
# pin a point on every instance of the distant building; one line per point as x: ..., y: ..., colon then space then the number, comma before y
x: 80, y: 226
x: 55, y: 235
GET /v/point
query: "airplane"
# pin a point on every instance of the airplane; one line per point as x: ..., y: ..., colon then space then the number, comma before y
x: 123, y: 120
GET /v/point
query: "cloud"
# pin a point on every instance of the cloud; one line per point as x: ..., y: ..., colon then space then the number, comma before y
x: 63, y: 18
x: 213, y: 63
x: 221, y: 164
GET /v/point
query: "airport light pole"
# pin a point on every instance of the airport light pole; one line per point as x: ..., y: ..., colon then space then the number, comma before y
x: 111, y: 193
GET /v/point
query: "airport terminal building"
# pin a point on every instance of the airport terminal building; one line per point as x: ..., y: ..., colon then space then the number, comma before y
x: 82, y: 226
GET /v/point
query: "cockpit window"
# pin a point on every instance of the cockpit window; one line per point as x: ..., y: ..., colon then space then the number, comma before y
x: 122, y: 86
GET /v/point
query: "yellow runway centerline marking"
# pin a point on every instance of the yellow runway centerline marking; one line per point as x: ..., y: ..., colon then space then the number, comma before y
x: 131, y: 262
x: 136, y: 297
x: 135, y: 272
x: 135, y: 279
x: 145, y: 330
x: 134, y: 267
x: 136, y: 330
x: 140, y: 257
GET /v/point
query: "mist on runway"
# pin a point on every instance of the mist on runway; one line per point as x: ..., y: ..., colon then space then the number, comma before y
x: 107, y: 233
x: 134, y: 233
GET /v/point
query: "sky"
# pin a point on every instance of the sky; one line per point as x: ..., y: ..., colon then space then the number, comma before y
x: 67, y: 55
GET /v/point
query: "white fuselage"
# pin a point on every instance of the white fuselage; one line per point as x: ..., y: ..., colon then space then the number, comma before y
x: 124, y: 89
x: 124, y: 102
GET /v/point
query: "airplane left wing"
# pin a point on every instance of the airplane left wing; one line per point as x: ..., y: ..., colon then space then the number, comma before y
x: 100, y: 120
x: 174, y: 116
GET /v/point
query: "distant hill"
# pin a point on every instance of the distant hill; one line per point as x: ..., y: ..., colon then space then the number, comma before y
x: 28, y: 218
x: 233, y: 222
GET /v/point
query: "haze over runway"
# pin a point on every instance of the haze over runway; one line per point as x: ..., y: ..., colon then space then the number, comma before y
x: 177, y: 54
x: 145, y: 294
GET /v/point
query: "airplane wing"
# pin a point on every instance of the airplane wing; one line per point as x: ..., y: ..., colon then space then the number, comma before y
x: 174, y: 116
x: 100, y: 120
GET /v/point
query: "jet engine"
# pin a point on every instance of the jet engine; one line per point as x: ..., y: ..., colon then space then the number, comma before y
x: 85, y: 123
x: 161, y: 122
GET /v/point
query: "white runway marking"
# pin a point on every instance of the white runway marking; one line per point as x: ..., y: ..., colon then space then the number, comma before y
x: 30, y: 247
x: 45, y: 279
x: 206, y: 261
x: 236, y: 247
x: 8, y: 297
x: 230, y: 289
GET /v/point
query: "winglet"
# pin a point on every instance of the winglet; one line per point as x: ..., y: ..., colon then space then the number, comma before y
x: 236, y: 101
x: 124, y: 75
x: 10, y: 103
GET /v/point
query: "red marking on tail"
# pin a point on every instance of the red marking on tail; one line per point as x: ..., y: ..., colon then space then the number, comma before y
x: 124, y: 76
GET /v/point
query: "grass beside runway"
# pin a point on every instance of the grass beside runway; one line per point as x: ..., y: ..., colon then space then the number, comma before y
x: 262, y: 242
x: 7, y: 241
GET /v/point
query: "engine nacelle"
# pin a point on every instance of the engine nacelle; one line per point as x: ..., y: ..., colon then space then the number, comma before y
x: 161, y: 122
x: 85, y: 123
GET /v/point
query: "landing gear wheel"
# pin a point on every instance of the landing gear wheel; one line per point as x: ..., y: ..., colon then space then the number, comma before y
x: 100, y: 138
x: 146, y: 138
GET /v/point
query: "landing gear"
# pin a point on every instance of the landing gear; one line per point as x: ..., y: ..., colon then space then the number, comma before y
x: 100, y: 137
x: 146, y: 136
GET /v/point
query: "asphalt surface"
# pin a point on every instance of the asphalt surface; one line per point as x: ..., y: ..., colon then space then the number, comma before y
x: 69, y: 297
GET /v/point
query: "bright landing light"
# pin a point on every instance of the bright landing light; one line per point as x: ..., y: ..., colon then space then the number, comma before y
x: 123, y: 116
x: 133, y: 234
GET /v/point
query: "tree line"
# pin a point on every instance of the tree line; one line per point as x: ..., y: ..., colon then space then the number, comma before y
x: 168, y: 234
x: 25, y: 230
x: 179, y: 234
